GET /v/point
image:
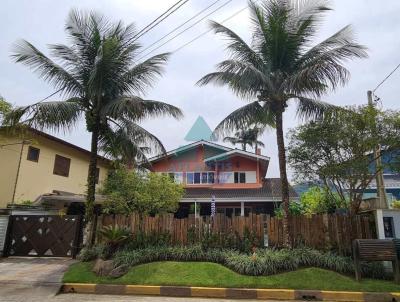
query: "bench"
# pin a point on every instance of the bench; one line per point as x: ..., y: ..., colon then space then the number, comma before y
x: 375, y: 250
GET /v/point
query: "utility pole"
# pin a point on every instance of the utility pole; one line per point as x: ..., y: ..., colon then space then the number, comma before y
x: 380, y: 185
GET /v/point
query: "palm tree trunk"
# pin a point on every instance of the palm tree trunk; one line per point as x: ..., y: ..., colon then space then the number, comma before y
x: 283, y: 176
x: 91, y: 191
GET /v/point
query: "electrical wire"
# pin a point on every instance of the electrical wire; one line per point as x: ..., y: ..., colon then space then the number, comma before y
x: 387, y: 77
x: 186, y: 29
x: 206, y: 32
x: 176, y: 28
x: 159, y: 19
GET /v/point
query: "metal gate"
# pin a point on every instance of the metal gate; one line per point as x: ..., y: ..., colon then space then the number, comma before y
x: 44, y: 235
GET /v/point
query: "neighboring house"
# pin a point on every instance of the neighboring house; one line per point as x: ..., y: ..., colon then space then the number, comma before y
x: 232, y: 179
x: 37, y: 164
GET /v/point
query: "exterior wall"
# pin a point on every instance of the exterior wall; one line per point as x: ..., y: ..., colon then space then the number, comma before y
x: 37, y: 178
x: 9, y: 158
x: 193, y: 161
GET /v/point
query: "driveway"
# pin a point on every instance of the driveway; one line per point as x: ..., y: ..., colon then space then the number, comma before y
x: 31, y: 279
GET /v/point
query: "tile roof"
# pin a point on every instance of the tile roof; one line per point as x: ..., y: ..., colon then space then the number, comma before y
x: 271, y: 189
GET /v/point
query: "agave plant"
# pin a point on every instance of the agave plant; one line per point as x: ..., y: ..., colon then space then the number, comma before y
x: 113, y: 237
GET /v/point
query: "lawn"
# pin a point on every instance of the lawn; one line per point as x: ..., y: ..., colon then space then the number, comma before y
x: 214, y: 275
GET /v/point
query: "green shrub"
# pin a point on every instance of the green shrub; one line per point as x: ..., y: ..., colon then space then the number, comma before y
x: 91, y: 253
x: 261, y: 262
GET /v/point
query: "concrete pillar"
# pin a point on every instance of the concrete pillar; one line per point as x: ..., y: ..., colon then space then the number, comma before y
x: 242, y: 208
x: 379, y: 224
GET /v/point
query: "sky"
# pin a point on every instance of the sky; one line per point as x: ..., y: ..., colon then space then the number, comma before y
x: 376, y: 25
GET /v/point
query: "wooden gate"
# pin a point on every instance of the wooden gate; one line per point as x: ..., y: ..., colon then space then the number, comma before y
x: 44, y: 235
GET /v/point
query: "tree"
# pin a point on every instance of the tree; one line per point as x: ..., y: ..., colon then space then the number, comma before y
x: 245, y: 137
x: 338, y: 150
x: 101, y: 81
x: 319, y: 200
x: 130, y: 192
x: 5, y: 108
x: 281, y: 66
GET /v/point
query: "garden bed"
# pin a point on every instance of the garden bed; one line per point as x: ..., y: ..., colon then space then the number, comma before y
x: 215, y: 275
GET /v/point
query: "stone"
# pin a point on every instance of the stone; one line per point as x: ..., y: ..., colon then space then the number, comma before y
x: 118, y: 271
x: 103, y: 267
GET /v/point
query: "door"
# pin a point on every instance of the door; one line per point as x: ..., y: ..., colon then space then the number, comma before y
x: 44, y: 235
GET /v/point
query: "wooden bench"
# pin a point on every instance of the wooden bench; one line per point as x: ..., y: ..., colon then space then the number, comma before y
x: 375, y: 250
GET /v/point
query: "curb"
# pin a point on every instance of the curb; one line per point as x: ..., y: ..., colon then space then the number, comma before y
x: 230, y: 293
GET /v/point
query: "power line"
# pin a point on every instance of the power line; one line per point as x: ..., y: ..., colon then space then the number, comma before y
x: 186, y: 29
x: 206, y: 32
x: 387, y: 77
x: 160, y: 18
x: 176, y: 28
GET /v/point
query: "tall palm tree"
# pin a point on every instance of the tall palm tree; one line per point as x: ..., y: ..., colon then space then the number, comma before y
x: 101, y: 81
x: 244, y: 138
x: 281, y: 66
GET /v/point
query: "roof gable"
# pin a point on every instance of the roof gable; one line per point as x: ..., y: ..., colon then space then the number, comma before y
x: 189, y: 147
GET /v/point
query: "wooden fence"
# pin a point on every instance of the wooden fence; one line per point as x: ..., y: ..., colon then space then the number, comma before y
x: 180, y: 229
x: 327, y: 232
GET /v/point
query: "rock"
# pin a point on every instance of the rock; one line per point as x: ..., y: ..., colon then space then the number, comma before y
x: 103, y: 267
x: 118, y: 271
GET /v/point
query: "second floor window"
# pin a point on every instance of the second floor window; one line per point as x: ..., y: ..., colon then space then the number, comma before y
x: 33, y: 154
x: 61, y: 166
x: 175, y: 176
x: 199, y: 178
x: 240, y: 177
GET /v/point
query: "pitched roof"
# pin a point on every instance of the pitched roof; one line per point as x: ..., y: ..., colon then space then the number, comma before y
x: 236, y: 152
x: 65, y: 143
x: 199, y: 131
x: 227, y: 151
x: 188, y: 147
x: 270, y: 191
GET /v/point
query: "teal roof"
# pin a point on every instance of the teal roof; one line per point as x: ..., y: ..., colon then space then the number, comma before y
x: 199, y: 131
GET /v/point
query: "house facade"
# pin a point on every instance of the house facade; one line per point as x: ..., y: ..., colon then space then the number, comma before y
x: 232, y: 180
x: 37, y: 164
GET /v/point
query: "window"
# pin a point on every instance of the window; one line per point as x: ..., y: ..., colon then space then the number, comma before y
x: 189, y: 178
x: 388, y: 227
x: 196, y: 178
x: 61, y: 165
x: 199, y: 178
x: 240, y: 177
x: 33, y: 154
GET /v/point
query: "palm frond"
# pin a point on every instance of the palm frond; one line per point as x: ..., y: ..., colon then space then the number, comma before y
x: 310, y: 109
x: 236, y: 46
x: 55, y: 116
x: 135, y: 108
x: 246, y: 115
x: 61, y: 79
x: 142, y: 76
x: 321, y: 67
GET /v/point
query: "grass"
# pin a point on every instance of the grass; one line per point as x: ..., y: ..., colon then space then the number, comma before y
x: 214, y: 275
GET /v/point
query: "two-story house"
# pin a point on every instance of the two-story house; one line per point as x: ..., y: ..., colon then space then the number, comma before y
x: 231, y: 179
x: 35, y: 165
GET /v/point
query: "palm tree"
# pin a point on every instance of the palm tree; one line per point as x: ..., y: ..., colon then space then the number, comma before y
x: 244, y: 138
x: 282, y: 66
x: 101, y: 81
